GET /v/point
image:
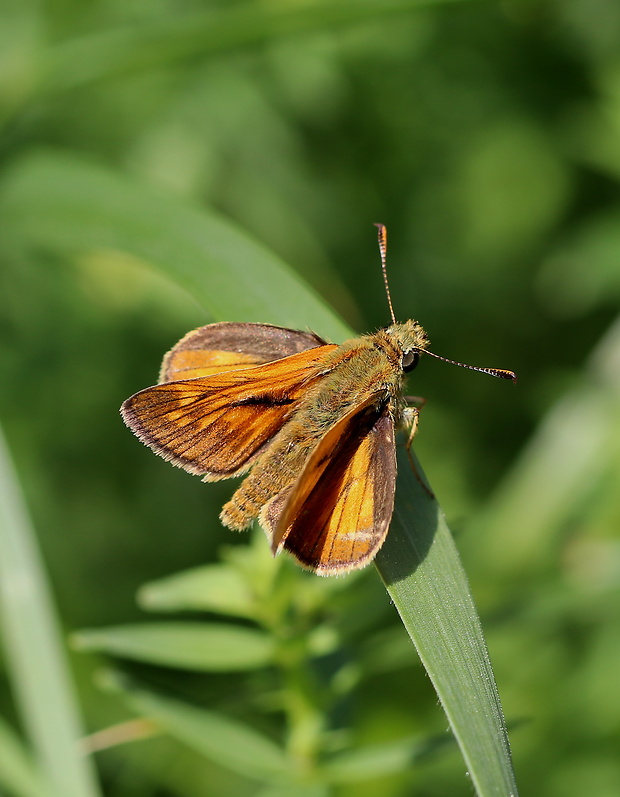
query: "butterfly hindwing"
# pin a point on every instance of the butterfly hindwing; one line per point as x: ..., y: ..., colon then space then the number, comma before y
x: 336, y: 515
x: 215, y: 348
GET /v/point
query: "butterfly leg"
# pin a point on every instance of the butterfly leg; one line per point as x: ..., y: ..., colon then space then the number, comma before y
x: 411, y: 420
x: 411, y: 416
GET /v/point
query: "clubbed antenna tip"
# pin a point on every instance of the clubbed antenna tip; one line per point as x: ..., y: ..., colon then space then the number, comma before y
x: 500, y: 373
x: 383, y: 250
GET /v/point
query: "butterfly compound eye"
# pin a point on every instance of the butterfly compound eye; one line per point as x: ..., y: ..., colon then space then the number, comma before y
x: 410, y: 360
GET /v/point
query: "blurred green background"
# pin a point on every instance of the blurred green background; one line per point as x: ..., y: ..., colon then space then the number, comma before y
x: 486, y: 136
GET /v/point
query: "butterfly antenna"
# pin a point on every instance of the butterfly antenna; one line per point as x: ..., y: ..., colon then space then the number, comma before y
x: 498, y: 372
x: 383, y: 250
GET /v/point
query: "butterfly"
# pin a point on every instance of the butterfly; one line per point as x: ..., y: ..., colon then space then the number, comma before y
x: 310, y: 424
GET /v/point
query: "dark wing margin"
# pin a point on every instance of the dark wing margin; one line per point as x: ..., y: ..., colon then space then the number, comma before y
x: 336, y: 516
x: 227, y: 346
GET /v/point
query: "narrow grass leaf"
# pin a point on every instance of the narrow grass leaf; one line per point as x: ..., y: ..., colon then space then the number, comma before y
x: 423, y: 573
x: 36, y: 661
x: 18, y: 771
x: 190, y: 646
x: 60, y: 203
x: 228, y: 742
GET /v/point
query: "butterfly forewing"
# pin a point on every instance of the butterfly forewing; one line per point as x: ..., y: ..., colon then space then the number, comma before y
x: 215, y: 348
x: 214, y: 426
x: 336, y: 515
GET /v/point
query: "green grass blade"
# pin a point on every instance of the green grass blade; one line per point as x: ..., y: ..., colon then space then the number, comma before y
x: 422, y: 571
x: 209, y: 647
x: 65, y: 205
x: 70, y: 206
x: 229, y: 742
x: 34, y: 650
x: 18, y: 771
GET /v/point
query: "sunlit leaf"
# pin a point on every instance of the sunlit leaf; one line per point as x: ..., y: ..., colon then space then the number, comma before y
x: 423, y: 573
x: 213, y: 588
x: 62, y: 204
x: 191, y: 646
x: 18, y: 771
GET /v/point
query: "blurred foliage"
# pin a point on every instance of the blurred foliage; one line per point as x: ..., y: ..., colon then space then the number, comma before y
x: 487, y: 137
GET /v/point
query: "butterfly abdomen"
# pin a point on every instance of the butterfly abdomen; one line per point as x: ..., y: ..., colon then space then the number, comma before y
x: 276, y: 468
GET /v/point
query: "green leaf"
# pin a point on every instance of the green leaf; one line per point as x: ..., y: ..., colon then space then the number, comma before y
x: 61, y: 204
x: 35, y: 657
x: 228, y: 742
x: 211, y: 588
x: 18, y: 772
x: 190, y: 646
x: 423, y: 573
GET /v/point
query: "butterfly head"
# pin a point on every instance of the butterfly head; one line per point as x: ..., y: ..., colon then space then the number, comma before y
x: 411, y: 340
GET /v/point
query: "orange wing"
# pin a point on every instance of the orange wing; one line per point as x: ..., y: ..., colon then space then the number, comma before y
x: 337, y: 514
x: 215, y: 426
x: 229, y: 346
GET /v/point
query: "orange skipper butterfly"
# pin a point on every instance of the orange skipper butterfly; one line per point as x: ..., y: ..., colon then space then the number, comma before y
x: 311, y: 423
